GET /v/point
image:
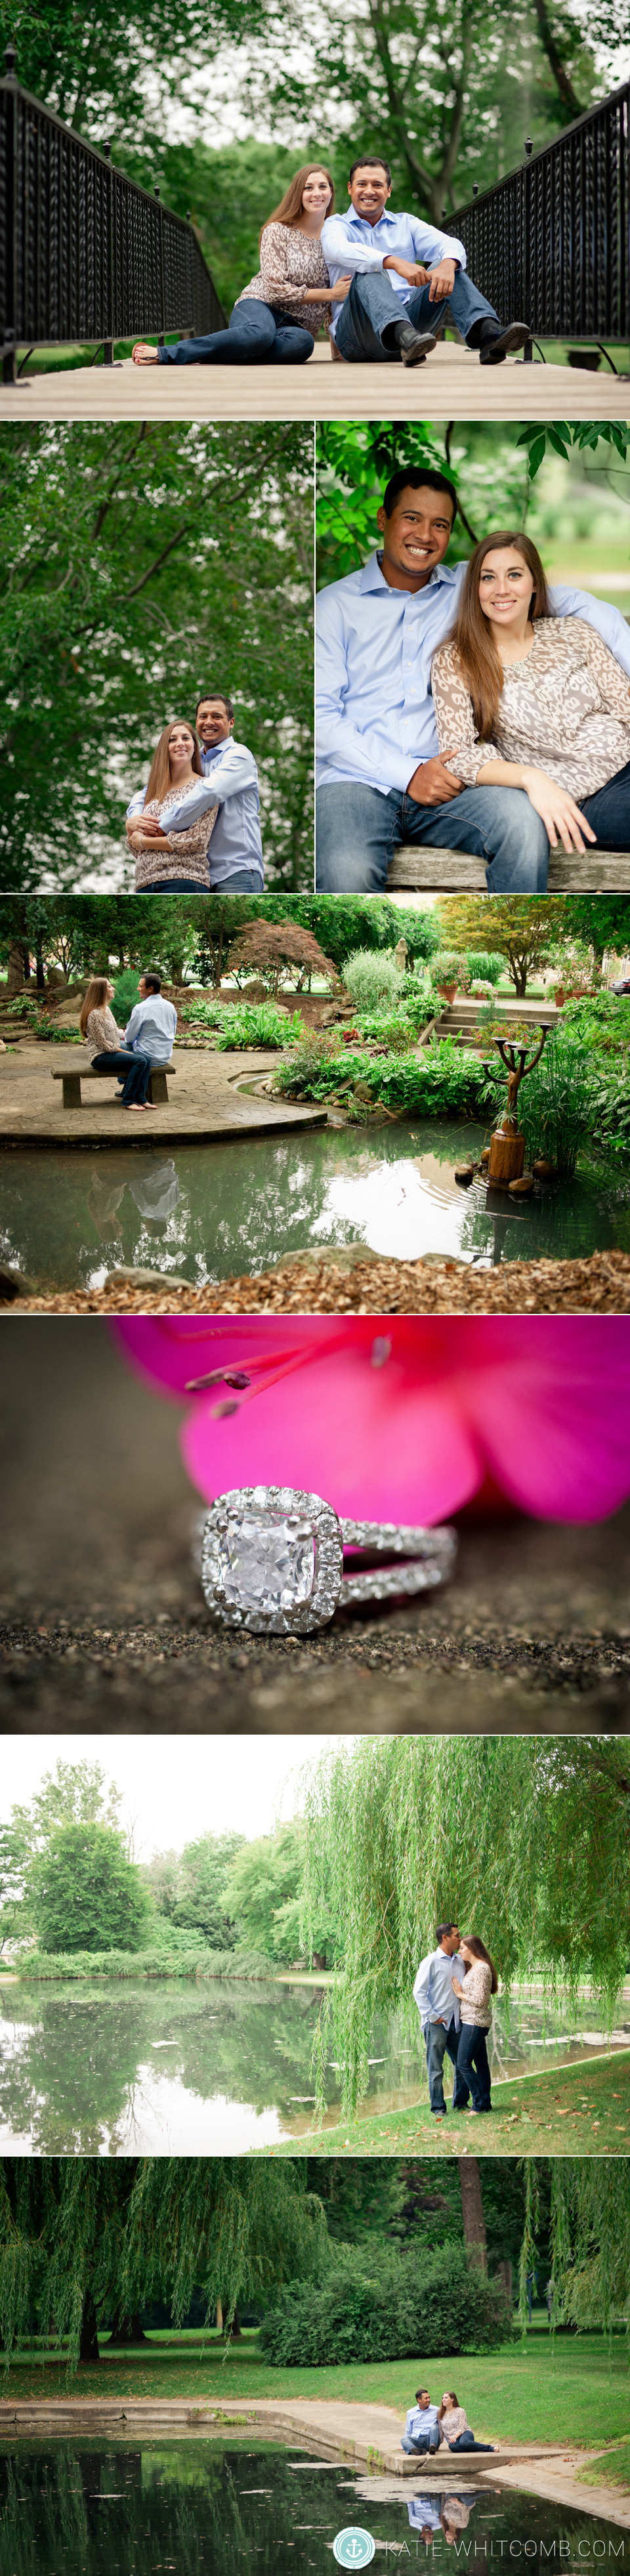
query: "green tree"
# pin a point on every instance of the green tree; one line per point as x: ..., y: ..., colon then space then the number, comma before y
x: 141, y: 565
x: 261, y: 1892
x: 75, y: 1795
x: 602, y: 920
x: 188, y: 1888
x: 523, y: 932
x: 89, y: 66
x: 544, y: 1874
x: 83, y: 1892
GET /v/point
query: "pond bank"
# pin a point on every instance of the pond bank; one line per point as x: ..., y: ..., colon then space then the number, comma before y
x: 315, y: 1284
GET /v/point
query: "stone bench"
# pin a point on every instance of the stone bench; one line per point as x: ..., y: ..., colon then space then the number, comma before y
x: 74, y: 1075
x: 418, y: 869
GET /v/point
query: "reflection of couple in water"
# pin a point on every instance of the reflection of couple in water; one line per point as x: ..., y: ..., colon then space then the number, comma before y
x: 381, y: 283
x: 194, y: 827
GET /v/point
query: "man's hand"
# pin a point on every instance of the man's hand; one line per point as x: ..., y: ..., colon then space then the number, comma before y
x: 442, y: 280
x: 410, y: 269
x: 432, y: 784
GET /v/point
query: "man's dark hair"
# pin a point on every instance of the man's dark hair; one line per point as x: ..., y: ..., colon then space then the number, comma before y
x: 415, y: 476
x: 215, y: 693
x: 445, y: 1928
x: 421, y: 2392
x: 371, y: 161
x: 153, y: 983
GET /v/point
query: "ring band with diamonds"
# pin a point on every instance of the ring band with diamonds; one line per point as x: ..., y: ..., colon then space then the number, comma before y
x: 272, y: 1560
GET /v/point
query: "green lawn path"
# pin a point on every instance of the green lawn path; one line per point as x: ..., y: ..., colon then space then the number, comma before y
x: 578, y: 2395
x: 573, y: 2108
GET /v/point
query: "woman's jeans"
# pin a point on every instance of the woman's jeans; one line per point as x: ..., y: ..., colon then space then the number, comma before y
x: 608, y: 811
x: 466, y: 2442
x: 136, y: 1069
x: 473, y: 2072
x: 257, y: 335
x: 244, y: 881
x: 358, y: 832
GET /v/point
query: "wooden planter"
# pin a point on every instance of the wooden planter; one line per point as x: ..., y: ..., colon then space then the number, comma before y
x: 507, y: 1155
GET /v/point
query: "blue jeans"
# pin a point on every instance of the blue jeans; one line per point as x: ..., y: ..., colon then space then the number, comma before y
x: 244, y: 881
x: 426, y: 2442
x: 609, y: 812
x: 473, y: 2072
x: 132, y: 1070
x: 257, y: 335
x: 466, y: 2442
x: 174, y: 885
x: 358, y: 831
x: 441, y: 2043
x: 373, y: 304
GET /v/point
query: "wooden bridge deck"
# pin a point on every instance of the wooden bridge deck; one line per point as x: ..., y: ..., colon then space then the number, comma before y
x: 450, y: 385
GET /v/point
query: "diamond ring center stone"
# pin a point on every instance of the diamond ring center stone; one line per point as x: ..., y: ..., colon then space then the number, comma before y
x: 266, y: 1560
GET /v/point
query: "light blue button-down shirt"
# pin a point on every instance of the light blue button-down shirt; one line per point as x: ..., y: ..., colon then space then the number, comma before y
x: 421, y: 2419
x: 374, y: 714
x: 229, y: 778
x: 349, y: 243
x: 433, y: 1990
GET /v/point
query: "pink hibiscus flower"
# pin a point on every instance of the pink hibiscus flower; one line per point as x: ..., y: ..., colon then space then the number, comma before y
x: 401, y: 1418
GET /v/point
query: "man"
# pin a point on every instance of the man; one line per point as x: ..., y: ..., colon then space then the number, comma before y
x: 380, y: 780
x: 151, y: 1029
x: 405, y: 275
x: 439, y: 2015
x: 422, y: 2431
x: 229, y: 780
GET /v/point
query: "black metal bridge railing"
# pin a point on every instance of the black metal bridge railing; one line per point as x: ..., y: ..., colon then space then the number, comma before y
x: 549, y: 245
x: 85, y: 255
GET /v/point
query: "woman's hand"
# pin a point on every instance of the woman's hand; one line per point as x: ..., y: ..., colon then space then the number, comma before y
x: 339, y: 292
x: 457, y: 1989
x: 558, y: 811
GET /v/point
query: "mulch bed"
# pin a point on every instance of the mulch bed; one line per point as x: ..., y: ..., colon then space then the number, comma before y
x: 598, y: 1285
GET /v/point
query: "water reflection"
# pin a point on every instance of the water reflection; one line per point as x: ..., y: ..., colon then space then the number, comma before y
x: 202, y: 2067
x: 203, y: 2506
x: 209, y: 1210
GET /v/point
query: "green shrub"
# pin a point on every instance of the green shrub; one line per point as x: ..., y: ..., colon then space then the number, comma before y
x: 484, y: 966
x: 557, y: 1103
x: 126, y: 994
x: 371, y: 976
x: 442, y: 1080
x: 417, y: 2304
x: 601, y: 1021
x: 163, y: 1960
x: 257, y: 1024
x: 450, y: 966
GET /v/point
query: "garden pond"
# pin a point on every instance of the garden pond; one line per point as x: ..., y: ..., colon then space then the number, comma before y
x: 66, y: 2505
x: 205, y: 1212
x: 215, y: 2067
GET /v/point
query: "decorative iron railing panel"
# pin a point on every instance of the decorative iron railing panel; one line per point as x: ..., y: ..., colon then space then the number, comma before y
x: 549, y: 245
x: 85, y: 255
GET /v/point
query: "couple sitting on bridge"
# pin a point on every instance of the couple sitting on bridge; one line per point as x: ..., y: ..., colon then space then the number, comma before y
x: 467, y: 705
x: 201, y: 786
x: 428, y: 2426
x: 380, y: 283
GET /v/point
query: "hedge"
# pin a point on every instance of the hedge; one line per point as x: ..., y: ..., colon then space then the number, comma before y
x: 419, y: 2304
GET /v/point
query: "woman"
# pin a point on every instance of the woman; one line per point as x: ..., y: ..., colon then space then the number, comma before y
x: 480, y: 1982
x: 277, y: 315
x: 105, y: 1048
x: 455, y: 2428
x: 175, y: 862
x: 526, y: 699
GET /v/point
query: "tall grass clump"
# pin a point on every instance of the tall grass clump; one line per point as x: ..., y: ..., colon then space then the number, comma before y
x: 557, y: 1104
x: 372, y: 977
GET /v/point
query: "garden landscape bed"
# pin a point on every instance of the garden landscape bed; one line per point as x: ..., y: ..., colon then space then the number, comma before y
x: 368, y: 1284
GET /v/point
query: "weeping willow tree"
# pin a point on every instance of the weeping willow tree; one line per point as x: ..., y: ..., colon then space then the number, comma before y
x: 521, y: 1840
x: 590, y: 2239
x: 83, y: 2241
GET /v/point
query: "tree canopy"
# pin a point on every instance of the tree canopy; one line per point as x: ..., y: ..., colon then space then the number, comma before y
x: 187, y: 1887
x: 517, y: 929
x: 84, y: 1894
x: 141, y: 565
x: 520, y: 1840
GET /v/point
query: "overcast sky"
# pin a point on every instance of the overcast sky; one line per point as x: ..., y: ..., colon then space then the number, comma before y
x: 176, y: 1786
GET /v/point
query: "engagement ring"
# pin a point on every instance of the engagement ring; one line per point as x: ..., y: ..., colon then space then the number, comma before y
x: 272, y: 1560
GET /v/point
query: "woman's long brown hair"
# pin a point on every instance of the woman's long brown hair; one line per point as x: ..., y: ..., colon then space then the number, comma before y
x: 479, y: 1951
x: 446, y: 2410
x: 479, y: 662
x: 159, y: 778
x: 291, y: 203
x: 95, y: 1000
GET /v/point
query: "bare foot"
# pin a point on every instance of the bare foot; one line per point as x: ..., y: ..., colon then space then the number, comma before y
x: 143, y: 356
x: 135, y: 1104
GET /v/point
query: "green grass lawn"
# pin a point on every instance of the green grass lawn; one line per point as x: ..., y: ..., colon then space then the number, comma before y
x: 587, y: 2108
x: 576, y: 2395
x: 612, y: 2471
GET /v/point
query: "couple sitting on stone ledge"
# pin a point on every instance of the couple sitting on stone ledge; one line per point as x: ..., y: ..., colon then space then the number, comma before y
x: 468, y: 706
x: 202, y: 789
x: 382, y: 284
x: 146, y: 1041
x: 428, y: 2426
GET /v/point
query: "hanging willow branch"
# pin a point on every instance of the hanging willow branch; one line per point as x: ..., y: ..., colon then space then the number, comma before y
x: 524, y: 1841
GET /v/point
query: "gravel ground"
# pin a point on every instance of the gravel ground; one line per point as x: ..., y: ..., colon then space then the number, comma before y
x: 304, y: 1286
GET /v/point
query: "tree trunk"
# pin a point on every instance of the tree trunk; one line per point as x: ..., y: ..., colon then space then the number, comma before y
x: 219, y: 2317
x: 127, y: 2329
x: 472, y: 2212
x: 571, y: 105
x: 15, y: 976
x: 40, y: 976
x: 88, y: 2347
x: 504, y: 2275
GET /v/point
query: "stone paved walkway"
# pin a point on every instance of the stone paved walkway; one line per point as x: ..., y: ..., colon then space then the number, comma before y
x: 205, y: 1101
